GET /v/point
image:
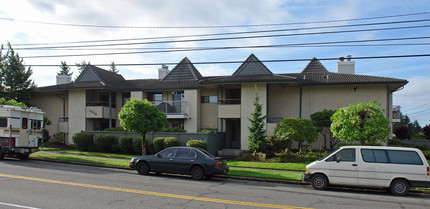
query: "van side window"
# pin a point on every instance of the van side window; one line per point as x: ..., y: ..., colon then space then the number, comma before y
x: 374, y: 156
x: 344, y: 155
x: 404, y: 157
x: 24, y: 123
x: 3, y: 122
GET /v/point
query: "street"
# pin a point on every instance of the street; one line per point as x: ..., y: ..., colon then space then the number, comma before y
x: 38, y: 184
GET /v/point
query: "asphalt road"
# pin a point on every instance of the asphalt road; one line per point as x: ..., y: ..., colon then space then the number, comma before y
x: 38, y: 184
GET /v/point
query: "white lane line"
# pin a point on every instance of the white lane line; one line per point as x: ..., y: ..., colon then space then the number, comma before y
x: 17, y: 206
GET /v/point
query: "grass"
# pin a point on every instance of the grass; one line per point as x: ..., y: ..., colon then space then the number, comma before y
x: 277, y: 166
x: 81, y: 159
x: 265, y: 174
x: 98, y: 154
x: 49, y: 149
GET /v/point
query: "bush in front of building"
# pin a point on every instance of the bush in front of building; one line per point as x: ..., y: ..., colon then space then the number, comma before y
x: 402, y: 132
x: 104, y: 142
x: 158, y: 143
x: 119, y: 128
x: 59, y: 138
x: 171, y: 142
x: 84, y: 141
x: 126, y: 144
x: 174, y: 129
x: 198, y: 144
x: 137, y: 145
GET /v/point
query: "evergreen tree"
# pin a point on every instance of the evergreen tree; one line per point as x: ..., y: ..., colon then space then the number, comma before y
x: 82, y: 65
x: 257, y: 132
x: 113, y: 68
x: 15, y: 78
x: 65, y: 69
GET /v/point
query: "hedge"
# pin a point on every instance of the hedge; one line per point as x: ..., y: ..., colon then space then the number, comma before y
x: 198, y: 144
x: 104, y: 142
x: 84, y: 141
x: 126, y: 144
x: 171, y: 142
x: 158, y: 143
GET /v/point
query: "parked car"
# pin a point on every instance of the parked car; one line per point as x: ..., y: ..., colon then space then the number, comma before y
x: 394, y: 168
x: 181, y: 160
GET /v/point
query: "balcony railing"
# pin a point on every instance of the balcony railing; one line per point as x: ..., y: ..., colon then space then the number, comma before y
x: 229, y: 101
x: 101, y: 103
x: 172, y: 107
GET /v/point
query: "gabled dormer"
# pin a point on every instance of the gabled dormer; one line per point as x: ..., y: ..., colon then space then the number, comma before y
x: 92, y: 73
x: 314, y: 66
x: 252, y: 66
x: 184, y: 70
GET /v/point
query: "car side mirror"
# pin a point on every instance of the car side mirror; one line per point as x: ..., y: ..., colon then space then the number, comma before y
x: 158, y: 155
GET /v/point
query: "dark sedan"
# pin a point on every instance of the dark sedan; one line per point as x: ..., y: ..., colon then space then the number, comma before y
x: 181, y: 160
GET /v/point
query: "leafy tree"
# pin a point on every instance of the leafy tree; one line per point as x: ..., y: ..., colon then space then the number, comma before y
x: 405, y: 120
x: 402, y: 132
x: 113, y: 68
x: 426, y: 131
x: 141, y: 116
x: 15, y: 78
x: 257, y: 133
x: 65, y: 69
x: 295, y: 129
x: 321, y: 121
x: 360, y: 122
x: 12, y: 102
x: 45, y: 132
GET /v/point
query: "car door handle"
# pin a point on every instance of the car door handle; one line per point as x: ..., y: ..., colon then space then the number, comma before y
x: 191, y: 160
x: 171, y: 159
x: 354, y: 164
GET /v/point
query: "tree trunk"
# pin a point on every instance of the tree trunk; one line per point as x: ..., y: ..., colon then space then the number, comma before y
x: 143, y: 144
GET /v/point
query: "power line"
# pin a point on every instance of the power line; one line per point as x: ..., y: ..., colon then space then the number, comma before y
x: 206, y: 26
x: 241, y: 37
x: 230, y: 33
x: 233, y: 62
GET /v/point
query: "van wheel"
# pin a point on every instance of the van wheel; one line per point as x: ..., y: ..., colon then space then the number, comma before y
x: 319, y: 181
x: 399, y: 187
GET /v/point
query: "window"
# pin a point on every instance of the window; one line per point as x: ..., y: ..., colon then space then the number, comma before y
x: 193, y: 154
x: 24, y: 123
x: 36, y: 124
x: 3, y: 122
x: 374, y: 156
x: 183, y: 153
x: 155, y: 97
x: 209, y: 99
x: 404, y: 157
x: 168, y: 153
x: 344, y: 155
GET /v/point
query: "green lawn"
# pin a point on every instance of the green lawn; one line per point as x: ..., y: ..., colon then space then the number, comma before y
x: 98, y: 154
x: 265, y: 174
x: 81, y: 159
x: 277, y: 166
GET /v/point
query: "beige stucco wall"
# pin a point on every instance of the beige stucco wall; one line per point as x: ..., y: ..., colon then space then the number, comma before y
x: 247, y: 107
x: 192, y: 97
x: 52, y: 105
x: 208, y: 111
x: 77, y: 105
x: 283, y: 101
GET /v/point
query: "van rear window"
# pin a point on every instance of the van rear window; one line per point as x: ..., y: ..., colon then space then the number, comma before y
x: 391, y: 156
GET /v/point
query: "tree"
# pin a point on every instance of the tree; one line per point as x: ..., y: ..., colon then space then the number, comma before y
x: 321, y: 121
x: 360, y: 122
x: 82, y: 65
x: 257, y: 133
x: 15, y: 78
x: 141, y: 116
x: 65, y: 69
x: 426, y: 131
x: 295, y: 129
x: 402, y: 132
x: 113, y: 68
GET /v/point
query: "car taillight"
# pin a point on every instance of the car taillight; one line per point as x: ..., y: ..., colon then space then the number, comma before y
x: 12, y: 142
x: 218, y: 164
x: 428, y: 171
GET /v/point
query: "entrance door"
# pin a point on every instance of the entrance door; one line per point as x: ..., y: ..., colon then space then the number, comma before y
x: 23, y: 138
x: 232, y: 140
x: 178, y: 98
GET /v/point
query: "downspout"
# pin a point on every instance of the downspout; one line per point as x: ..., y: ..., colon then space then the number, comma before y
x: 301, y: 103
x: 388, y: 114
x: 64, y: 111
x: 110, y: 109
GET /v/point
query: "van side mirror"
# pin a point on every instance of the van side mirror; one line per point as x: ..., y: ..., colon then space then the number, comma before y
x: 338, y: 158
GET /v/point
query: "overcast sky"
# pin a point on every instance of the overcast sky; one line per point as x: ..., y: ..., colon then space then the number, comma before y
x: 57, y: 21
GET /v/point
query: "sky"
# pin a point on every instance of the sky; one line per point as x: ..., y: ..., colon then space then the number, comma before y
x: 47, y: 23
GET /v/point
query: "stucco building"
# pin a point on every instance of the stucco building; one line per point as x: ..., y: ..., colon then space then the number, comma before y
x: 194, y: 102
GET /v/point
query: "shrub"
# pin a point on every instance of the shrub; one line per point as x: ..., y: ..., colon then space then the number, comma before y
x: 274, y: 145
x: 246, y: 156
x: 137, y: 145
x: 104, y: 142
x: 418, y: 136
x: 208, y: 131
x: 198, y: 144
x: 426, y: 131
x: 126, y: 144
x: 158, y: 143
x: 150, y: 147
x: 174, y: 129
x: 422, y: 147
x: 171, y: 142
x: 116, y: 148
x: 119, y: 128
x: 59, y: 138
x: 84, y: 141
x: 402, y: 132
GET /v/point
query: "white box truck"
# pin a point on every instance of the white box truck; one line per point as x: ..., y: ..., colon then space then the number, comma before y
x: 20, y: 130
x: 394, y: 168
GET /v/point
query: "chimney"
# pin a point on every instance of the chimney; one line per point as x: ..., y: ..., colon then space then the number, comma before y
x: 64, y: 79
x: 163, y: 71
x: 346, y: 67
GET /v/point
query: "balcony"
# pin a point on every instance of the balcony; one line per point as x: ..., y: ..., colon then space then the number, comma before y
x: 100, y: 112
x: 173, y: 109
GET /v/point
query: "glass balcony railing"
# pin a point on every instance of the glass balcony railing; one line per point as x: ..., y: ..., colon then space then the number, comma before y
x: 172, y: 107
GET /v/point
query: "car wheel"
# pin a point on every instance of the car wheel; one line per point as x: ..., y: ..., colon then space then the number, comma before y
x: 399, y: 187
x: 143, y: 168
x: 319, y: 181
x: 23, y: 156
x: 197, y: 172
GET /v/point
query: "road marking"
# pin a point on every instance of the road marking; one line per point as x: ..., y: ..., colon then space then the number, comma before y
x: 233, y: 202
x: 17, y: 206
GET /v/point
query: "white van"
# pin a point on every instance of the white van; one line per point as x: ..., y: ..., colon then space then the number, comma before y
x: 394, y: 168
